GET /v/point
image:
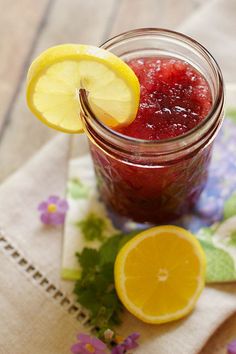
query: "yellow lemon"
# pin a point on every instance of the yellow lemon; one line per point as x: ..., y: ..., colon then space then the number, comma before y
x: 160, y: 274
x: 57, y: 75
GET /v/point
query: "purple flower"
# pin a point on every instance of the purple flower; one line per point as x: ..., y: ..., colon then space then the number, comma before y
x: 232, y: 347
x: 88, y: 345
x: 53, y: 211
x: 129, y: 343
x: 118, y: 349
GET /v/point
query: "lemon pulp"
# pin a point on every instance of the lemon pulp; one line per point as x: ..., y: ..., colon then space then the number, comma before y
x: 160, y: 274
x: 56, y: 76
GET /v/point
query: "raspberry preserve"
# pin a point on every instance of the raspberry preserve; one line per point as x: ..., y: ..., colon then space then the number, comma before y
x: 174, y: 98
x: 155, y: 169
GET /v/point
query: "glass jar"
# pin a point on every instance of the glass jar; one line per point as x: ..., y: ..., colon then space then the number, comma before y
x: 155, y: 181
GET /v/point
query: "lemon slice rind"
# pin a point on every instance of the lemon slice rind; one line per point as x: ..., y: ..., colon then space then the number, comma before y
x: 55, y: 77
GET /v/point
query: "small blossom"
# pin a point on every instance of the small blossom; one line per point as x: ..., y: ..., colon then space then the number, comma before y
x: 232, y: 347
x: 108, y: 334
x: 88, y: 345
x: 53, y: 211
x: 129, y: 343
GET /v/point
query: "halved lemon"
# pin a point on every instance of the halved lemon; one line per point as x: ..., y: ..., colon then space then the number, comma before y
x: 160, y: 274
x: 56, y: 76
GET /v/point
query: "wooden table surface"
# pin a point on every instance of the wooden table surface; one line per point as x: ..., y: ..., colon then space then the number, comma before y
x: 27, y: 27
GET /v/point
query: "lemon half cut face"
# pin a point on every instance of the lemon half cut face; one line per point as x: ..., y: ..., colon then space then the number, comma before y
x: 160, y: 274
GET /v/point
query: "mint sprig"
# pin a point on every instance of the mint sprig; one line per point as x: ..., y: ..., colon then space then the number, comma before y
x: 92, y: 227
x: 95, y: 290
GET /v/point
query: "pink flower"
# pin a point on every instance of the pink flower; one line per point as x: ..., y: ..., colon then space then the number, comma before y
x: 88, y: 345
x: 53, y: 211
x: 232, y: 347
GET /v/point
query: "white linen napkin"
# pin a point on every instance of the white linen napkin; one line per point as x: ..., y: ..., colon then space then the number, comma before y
x: 37, y: 312
x: 26, y: 296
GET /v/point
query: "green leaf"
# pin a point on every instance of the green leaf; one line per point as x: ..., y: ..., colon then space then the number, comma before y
x: 86, y: 299
x: 107, y: 270
x: 95, y: 290
x: 230, y: 207
x: 220, y: 264
x: 127, y: 238
x: 109, y: 249
x: 102, y: 283
x: 92, y: 227
x: 77, y: 190
x: 88, y: 258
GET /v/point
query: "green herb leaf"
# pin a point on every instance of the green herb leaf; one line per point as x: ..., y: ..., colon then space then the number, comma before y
x: 109, y: 249
x: 92, y: 227
x: 95, y: 290
x: 88, y: 258
x: 126, y: 238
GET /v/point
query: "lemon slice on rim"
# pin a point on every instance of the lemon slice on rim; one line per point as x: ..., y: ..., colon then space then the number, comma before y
x: 160, y: 274
x: 56, y: 76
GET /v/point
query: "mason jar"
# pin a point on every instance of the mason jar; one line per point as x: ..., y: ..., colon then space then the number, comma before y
x: 155, y: 181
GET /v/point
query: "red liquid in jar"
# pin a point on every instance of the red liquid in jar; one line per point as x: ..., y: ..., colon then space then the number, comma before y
x: 175, y: 98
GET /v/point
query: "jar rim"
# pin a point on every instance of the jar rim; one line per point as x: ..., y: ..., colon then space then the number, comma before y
x: 218, y: 102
